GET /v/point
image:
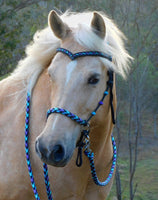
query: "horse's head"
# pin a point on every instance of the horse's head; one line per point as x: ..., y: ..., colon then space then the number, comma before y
x: 77, y: 85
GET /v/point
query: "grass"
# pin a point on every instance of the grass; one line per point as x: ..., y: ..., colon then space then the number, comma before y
x: 146, y: 178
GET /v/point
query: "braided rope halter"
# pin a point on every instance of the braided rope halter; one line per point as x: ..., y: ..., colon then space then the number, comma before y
x: 84, y: 139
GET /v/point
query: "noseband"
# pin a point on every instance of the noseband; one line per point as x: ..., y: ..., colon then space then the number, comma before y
x: 84, y: 142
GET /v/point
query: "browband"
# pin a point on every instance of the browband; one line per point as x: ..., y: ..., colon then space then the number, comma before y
x: 84, y: 53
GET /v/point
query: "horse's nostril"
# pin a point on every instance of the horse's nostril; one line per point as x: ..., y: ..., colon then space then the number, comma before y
x: 57, y: 153
x: 41, y: 149
x: 36, y: 147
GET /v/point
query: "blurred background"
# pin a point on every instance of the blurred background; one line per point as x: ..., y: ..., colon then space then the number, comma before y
x: 136, y: 130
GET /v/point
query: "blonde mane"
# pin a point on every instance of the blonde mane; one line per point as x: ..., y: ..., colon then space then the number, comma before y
x: 43, y: 48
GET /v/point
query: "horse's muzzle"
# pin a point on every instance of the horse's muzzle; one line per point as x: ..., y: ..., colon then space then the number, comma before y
x: 54, y: 155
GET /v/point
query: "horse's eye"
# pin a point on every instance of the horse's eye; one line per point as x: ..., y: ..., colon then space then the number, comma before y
x: 94, y: 79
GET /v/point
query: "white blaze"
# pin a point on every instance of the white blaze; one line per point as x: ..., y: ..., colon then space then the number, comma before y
x: 69, y: 69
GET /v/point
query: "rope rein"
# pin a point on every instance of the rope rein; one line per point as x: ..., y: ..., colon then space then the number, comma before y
x: 84, y: 142
x: 45, y: 169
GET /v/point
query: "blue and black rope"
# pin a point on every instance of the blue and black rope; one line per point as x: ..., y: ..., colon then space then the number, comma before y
x: 84, y: 53
x: 68, y: 114
x: 49, y: 194
x: 90, y: 156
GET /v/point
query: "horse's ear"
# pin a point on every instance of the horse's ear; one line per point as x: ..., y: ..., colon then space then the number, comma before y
x: 59, y: 28
x: 98, y: 25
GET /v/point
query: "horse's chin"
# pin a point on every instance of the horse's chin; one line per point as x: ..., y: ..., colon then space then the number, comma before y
x: 53, y: 163
x: 58, y: 164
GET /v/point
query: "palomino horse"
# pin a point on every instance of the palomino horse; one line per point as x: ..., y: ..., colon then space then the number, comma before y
x: 52, y: 79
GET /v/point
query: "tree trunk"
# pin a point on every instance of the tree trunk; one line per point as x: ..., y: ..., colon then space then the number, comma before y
x: 118, y: 184
x: 155, y: 126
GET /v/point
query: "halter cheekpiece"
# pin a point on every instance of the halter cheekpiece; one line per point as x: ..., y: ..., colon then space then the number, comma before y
x: 83, y: 143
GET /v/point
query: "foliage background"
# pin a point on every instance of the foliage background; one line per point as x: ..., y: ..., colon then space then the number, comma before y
x: 137, y: 113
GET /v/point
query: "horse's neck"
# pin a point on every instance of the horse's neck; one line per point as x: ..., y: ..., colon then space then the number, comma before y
x: 12, y: 95
x: 101, y: 138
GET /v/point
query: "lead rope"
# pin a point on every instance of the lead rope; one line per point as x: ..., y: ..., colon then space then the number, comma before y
x: 45, y: 169
x: 90, y: 156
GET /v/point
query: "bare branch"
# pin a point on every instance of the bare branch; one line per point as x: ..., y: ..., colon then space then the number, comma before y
x: 1, y: 2
x: 20, y: 6
x: 145, y: 38
x: 135, y: 189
